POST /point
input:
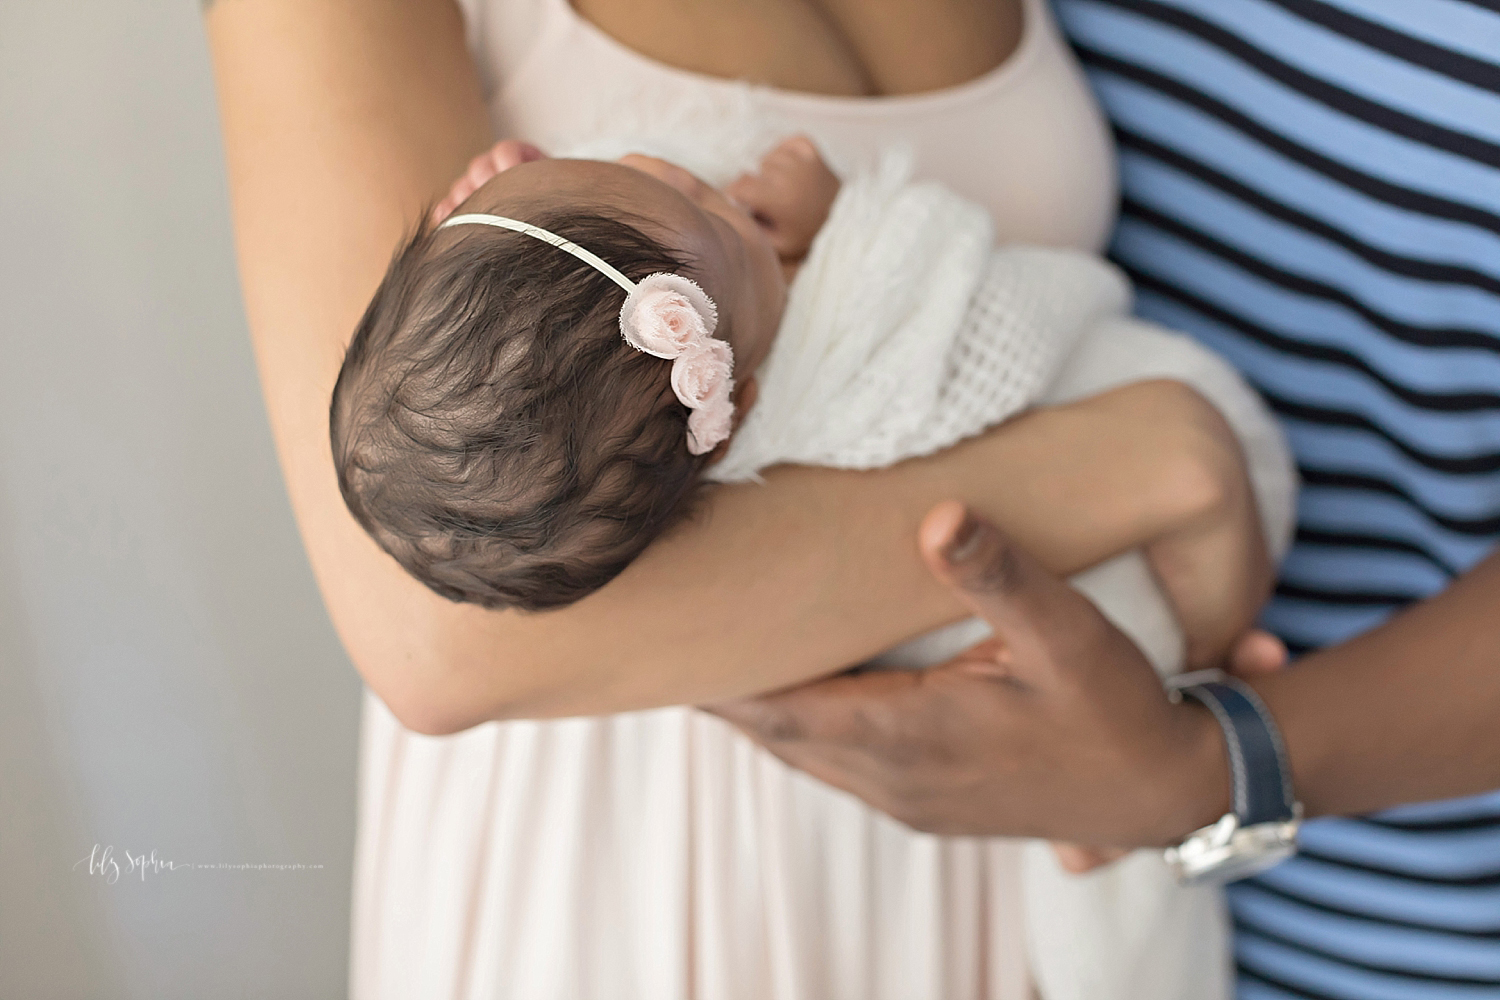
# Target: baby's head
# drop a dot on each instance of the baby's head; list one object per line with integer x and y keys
{"x": 491, "y": 427}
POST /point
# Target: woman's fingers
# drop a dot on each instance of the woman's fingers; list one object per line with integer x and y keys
{"x": 501, "y": 157}
{"x": 1076, "y": 859}
{"x": 1257, "y": 652}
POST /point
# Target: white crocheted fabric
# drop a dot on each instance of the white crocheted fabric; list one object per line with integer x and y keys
{"x": 905, "y": 331}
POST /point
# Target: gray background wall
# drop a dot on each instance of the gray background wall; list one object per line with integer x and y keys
{"x": 168, "y": 679}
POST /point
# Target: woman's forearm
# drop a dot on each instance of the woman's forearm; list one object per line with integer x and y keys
{"x": 1404, "y": 713}
{"x": 775, "y": 584}
{"x": 342, "y": 118}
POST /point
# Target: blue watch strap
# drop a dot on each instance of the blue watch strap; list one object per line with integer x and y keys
{"x": 1260, "y": 777}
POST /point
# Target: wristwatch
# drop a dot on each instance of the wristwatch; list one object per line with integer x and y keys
{"x": 1261, "y": 827}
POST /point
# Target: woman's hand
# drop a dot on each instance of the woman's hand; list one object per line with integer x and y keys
{"x": 1056, "y": 727}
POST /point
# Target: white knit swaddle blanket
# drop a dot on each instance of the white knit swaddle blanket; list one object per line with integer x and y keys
{"x": 905, "y": 332}
{"x": 885, "y": 352}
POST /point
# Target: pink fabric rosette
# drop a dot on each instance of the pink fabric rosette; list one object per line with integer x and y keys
{"x": 665, "y": 314}
{"x": 669, "y": 316}
{"x": 701, "y": 378}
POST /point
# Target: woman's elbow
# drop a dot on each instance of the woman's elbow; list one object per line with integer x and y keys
{"x": 433, "y": 697}
{"x": 440, "y": 668}
{"x": 429, "y": 717}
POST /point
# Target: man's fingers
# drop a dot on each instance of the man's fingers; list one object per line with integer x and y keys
{"x": 878, "y": 735}
{"x": 848, "y": 710}
{"x": 972, "y": 555}
{"x": 819, "y": 732}
{"x": 998, "y": 579}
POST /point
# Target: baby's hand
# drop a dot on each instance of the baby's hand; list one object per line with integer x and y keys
{"x": 789, "y": 195}
{"x": 496, "y": 160}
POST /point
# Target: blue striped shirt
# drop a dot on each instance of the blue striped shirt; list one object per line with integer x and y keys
{"x": 1312, "y": 188}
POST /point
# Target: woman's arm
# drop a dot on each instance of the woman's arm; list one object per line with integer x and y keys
{"x": 342, "y": 118}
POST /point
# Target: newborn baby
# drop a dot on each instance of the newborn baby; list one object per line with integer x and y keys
{"x": 497, "y": 435}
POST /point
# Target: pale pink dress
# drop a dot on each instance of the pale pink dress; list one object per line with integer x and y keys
{"x": 660, "y": 855}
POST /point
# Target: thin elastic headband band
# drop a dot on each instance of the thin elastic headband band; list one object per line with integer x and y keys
{"x": 667, "y": 316}
{"x": 514, "y": 225}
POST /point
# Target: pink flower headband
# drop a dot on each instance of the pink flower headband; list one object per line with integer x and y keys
{"x": 667, "y": 316}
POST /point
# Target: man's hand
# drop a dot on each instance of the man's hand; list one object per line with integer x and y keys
{"x": 1257, "y": 652}
{"x": 1057, "y": 727}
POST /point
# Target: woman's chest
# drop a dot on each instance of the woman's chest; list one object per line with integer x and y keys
{"x": 846, "y": 48}
{"x": 1024, "y": 139}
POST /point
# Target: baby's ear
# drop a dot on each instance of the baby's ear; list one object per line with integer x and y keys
{"x": 745, "y": 394}
{"x": 744, "y": 398}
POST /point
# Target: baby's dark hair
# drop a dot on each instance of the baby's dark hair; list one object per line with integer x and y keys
{"x": 491, "y": 428}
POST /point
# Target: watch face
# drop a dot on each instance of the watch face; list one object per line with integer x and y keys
{"x": 1226, "y": 851}
{"x": 1244, "y": 865}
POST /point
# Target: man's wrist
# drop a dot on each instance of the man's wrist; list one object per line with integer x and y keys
{"x": 1197, "y": 791}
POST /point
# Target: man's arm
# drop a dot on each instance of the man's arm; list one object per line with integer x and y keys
{"x": 342, "y": 120}
{"x": 1407, "y": 712}
{"x": 1058, "y": 728}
